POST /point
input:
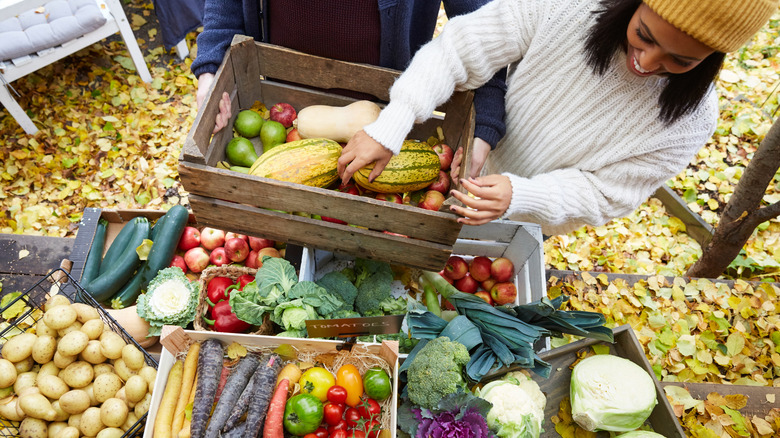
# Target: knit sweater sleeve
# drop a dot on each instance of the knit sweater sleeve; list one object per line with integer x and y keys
{"x": 221, "y": 21}
{"x": 566, "y": 199}
{"x": 469, "y": 51}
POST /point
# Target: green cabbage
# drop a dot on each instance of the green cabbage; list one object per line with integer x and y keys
{"x": 640, "y": 434}
{"x": 611, "y": 393}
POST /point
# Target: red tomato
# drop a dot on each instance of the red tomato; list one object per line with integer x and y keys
{"x": 372, "y": 428}
{"x": 341, "y": 425}
{"x": 352, "y": 416}
{"x": 321, "y": 432}
{"x": 333, "y": 413}
{"x": 341, "y": 433}
{"x": 337, "y": 394}
{"x": 310, "y": 435}
{"x": 356, "y": 433}
{"x": 369, "y": 409}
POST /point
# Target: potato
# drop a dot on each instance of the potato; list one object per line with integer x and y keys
{"x": 78, "y": 374}
{"x": 142, "y": 407}
{"x": 61, "y": 415}
{"x": 75, "y": 401}
{"x": 85, "y": 312}
{"x": 111, "y": 432}
{"x": 69, "y": 432}
{"x": 150, "y": 375}
{"x": 106, "y": 386}
{"x": 56, "y": 428}
{"x": 92, "y": 354}
{"x": 135, "y": 389}
{"x": 133, "y": 357}
{"x": 74, "y": 421}
{"x": 56, "y": 300}
{"x": 131, "y": 420}
{"x": 37, "y": 406}
{"x": 7, "y": 373}
{"x": 76, "y": 326}
{"x": 43, "y": 348}
{"x": 33, "y": 428}
{"x": 90, "y": 424}
{"x": 19, "y": 347}
{"x": 60, "y": 317}
{"x": 121, "y": 396}
{"x": 93, "y": 328}
{"x": 24, "y": 366}
{"x": 52, "y": 386}
{"x": 61, "y": 361}
{"x": 25, "y": 380}
{"x": 90, "y": 390}
{"x": 8, "y": 409}
{"x": 41, "y": 329}
{"x": 47, "y": 369}
{"x": 103, "y": 368}
{"x": 113, "y": 412}
{"x": 121, "y": 368}
{"x": 73, "y": 343}
{"x": 111, "y": 345}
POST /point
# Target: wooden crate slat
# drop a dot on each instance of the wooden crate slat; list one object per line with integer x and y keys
{"x": 324, "y": 235}
{"x": 246, "y": 66}
{"x": 439, "y": 227}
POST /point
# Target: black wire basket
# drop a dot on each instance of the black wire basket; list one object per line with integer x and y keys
{"x": 29, "y": 306}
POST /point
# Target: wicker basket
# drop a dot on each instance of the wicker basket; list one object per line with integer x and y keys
{"x": 232, "y": 272}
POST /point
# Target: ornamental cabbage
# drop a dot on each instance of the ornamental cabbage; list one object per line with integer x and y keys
{"x": 518, "y": 406}
{"x": 170, "y": 299}
{"x": 611, "y": 393}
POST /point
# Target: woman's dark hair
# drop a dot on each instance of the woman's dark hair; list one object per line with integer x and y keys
{"x": 682, "y": 93}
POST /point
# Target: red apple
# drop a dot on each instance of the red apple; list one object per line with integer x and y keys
{"x": 456, "y": 268}
{"x": 467, "y": 284}
{"x": 502, "y": 269}
{"x": 432, "y": 200}
{"x": 283, "y": 113}
{"x": 413, "y": 198}
{"x": 503, "y": 293}
{"x": 442, "y": 184}
{"x": 252, "y": 260}
{"x": 392, "y": 233}
{"x": 480, "y": 268}
{"x": 293, "y": 135}
{"x": 231, "y": 235}
{"x": 179, "y": 262}
{"x": 258, "y": 243}
{"x": 211, "y": 238}
{"x": 349, "y": 188}
{"x": 333, "y": 220}
{"x": 190, "y": 238}
{"x": 446, "y": 305}
{"x": 271, "y": 252}
{"x": 488, "y": 284}
{"x": 445, "y": 154}
{"x": 218, "y": 256}
{"x": 197, "y": 259}
{"x": 390, "y": 197}
{"x": 444, "y": 274}
{"x": 485, "y": 295}
{"x": 236, "y": 249}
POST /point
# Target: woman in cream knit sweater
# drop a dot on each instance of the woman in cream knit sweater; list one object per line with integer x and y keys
{"x": 606, "y": 100}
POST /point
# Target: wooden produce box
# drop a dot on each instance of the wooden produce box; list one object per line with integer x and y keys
{"x": 175, "y": 340}
{"x": 242, "y": 203}
{"x": 626, "y": 345}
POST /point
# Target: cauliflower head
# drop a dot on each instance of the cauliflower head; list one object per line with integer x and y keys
{"x": 518, "y": 406}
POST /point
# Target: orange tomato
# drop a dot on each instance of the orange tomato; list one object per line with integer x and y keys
{"x": 349, "y": 377}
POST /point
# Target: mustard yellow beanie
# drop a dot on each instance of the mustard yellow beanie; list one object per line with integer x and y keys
{"x": 720, "y": 24}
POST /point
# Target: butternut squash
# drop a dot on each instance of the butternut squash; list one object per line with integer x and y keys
{"x": 337, "y": 123}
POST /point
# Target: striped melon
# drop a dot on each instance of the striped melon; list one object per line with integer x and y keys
{"x": 414, "y": 168}
{"x": 311, "y": 162}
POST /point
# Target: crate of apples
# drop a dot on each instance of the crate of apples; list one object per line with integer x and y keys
{"x": 491, "y": 279}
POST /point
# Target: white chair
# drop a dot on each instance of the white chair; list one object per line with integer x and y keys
{"x": 116, "y": 21}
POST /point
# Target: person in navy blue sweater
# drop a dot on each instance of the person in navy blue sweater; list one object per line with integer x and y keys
{"x": 386, "y": 33}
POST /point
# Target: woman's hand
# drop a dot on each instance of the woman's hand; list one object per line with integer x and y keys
{"x": 223, "y": 117}
{"x": 493, "y": 192}
{"x": 360, "y": 151}
{"x": 480, "y": 151}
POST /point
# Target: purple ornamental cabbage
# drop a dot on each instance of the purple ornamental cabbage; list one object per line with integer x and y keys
{"x": 451, "y": 424}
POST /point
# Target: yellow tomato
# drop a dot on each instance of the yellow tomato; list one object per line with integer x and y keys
{"x": 348, "y": 376}
{"x": 316, "y": 381}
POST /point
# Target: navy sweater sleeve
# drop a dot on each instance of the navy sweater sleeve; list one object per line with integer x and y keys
{"x": 222, "y": 19}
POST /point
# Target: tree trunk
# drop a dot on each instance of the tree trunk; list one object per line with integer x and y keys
{"x": 743, "y": 213}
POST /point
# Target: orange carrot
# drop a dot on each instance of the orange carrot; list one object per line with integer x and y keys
{"x": 274, "y": 427}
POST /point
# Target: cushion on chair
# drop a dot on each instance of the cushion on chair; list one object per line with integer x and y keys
{"x": 60, "y": 22}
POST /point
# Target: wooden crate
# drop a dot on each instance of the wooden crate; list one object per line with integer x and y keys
{"x": 246, "y": 204}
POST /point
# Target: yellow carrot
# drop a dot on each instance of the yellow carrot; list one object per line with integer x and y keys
{"x": 164, "y": 419}
{"x": 185, "y": 428}
{"x": 190, "y": 366}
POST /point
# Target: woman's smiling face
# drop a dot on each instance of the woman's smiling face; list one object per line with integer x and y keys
{"x": 655, "y": 47}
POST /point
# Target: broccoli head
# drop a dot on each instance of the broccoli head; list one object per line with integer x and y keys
{"x": 373, "y": 290}
{"x": 339, "y": 284}
{"x": 436, "y": 371}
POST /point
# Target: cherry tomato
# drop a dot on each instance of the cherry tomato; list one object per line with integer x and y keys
{"x": 356, "y": 433}
{"x": 341, "y": 425}
{"x": 333, "y": 413}
{"x": 352, "y": 416}
{"x": 321, "y": 432}
{"x": 310, "y": 435}
{"x": 348, "y": 376}
{"x": 337, "y": 394}
{"x": 341, "y": 433}
{"x": 369, "y": 409}
{"x": 372, "y": 428}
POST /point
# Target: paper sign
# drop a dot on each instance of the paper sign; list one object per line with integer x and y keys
{"x": 373, "y": 325}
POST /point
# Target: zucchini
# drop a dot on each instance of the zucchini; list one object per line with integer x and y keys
{"x": 160, "y": 256}
{"x": 158, "y": 225}
{"x": 92, "y": 264}
{"x": 106, "y": 284}
{"x": 117, "y": 246}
